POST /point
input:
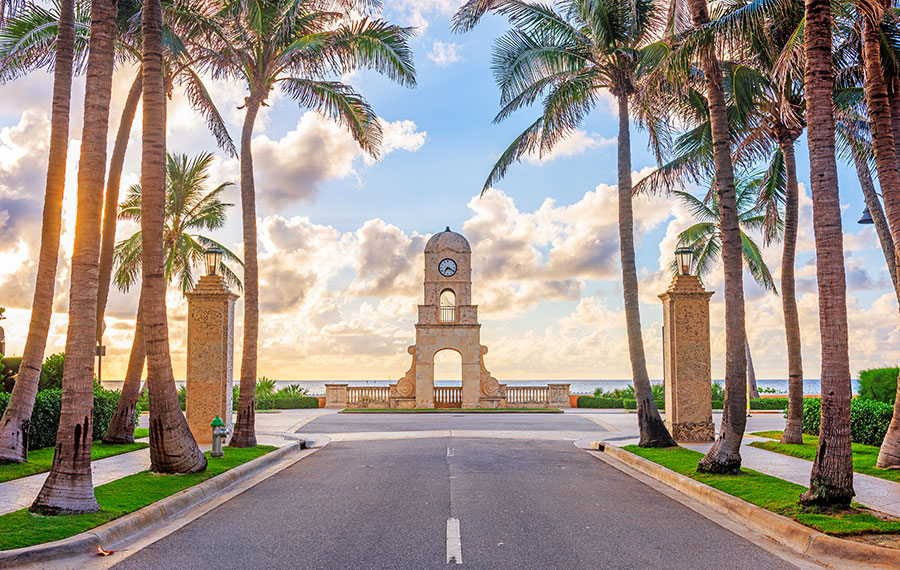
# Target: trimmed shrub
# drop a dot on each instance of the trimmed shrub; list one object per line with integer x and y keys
{"x": 287, "y": 403}
{"x": 869, "y": 419}
{"x": 718, "y": 404}
{"x": 595, "y": 402}
{"x": 879, "y": 384}
{"x": 629, "y": 403}
{"x": 768, "y": 403}
{"x": 52, "y": 372}
{"x": 718, "y": 392}
{"x": 45, "y": 417}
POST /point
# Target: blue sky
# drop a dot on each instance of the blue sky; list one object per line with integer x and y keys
{"x": 341, "y": 236}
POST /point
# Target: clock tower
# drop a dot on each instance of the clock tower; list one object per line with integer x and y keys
{"x": 447, "y": 321}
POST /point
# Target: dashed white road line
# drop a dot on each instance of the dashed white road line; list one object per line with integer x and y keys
{"x": 454, "y": 544}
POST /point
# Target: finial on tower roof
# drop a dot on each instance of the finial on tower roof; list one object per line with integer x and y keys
{"x": 448, "y": 229}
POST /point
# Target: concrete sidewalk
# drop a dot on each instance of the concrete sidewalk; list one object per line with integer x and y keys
{"x": 271, "y": 430}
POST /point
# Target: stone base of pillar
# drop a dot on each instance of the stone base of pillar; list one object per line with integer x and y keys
{"x": 701, "y": 432}
{"x": 403, "y": 403}
{"x": 492, "y": 403}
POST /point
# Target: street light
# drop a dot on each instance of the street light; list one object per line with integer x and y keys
{"x": 212, "y": 257}
{"x": 684, "y": 257}
{"x": 866, "y": 217}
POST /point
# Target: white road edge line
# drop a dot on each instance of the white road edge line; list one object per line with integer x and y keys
{"x": 454, "y": 545}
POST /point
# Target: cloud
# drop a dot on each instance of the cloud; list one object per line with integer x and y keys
{"x": 577, "y": 143}
{"x": 444, "y": 54}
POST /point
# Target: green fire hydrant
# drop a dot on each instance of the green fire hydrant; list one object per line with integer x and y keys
{"x": 219, "y": 433}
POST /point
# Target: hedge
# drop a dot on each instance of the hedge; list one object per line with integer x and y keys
{"x": 879, "y": 384}
{"x": 45, "y": 417}
{"x": 286, "y": 403}
{"x": 632, "y": 404}
{"x": 8, "y": 371}
{"x": 594, "y": 402}
{"x": 769, "y": 404}
{"x": 718, "y": 404}
{"x": 869, "y": 419}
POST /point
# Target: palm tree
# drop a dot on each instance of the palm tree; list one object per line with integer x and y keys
{"x": 296, "y": 44}
{"x": 572, "y": 51}
{"x": 172, "y": 447}
{"x": 68, "y": 488}
{"x": 831, "y": 479}
{"x": 17, "y": 416}
{"x": 190, "y": 206}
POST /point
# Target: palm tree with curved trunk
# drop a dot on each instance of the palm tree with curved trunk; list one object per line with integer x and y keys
{"x": 296, "y": 45}
{"x": 29, "y": 40}
{"x": 571, "y": 52}
{"x": 16, "y": 419}
{"x": 190, "y": 207}
{"x": 68, "y": 488}
{"x": 172, "y": 447}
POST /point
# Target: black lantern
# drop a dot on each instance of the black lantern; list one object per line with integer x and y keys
{"x": 684, "y": 257}
{"x": 866, "y": 217}
{"x": 212, "y": 257}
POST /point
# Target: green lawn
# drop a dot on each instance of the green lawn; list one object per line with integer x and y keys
{"x": 40, "y": 460}
{"x": 864, "y": 456}
{"x": 141, "y": 433}
{"x": 771, "y": 493}
{"x": 118, "y": 498}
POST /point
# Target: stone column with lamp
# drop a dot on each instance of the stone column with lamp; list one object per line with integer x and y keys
{"x": 686, "y": 354}
{"x": 210, "y": 350}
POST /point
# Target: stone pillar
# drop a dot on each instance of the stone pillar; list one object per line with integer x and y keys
{"x": 558, "y": 395}
{"x": 335, "y": 395}
{"x": 686, "y": 356}
{"x": 210, "y": 356}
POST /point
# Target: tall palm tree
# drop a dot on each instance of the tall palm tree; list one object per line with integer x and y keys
{"x": 296, "y": 45}
{"x": 68, "y": 488}
{"x": 172, "y": 447}
{"x": 190, "y": 207}
{"x": 831, "y": 478}
{"x": 16, "y": 419}
{"x": 725, "y": 455}
{"x": 571, "y": 51}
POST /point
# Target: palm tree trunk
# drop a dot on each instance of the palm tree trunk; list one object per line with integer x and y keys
{"x": 894, "y": 97}
{"x": 725, "y": 454}
{"x": 121, "y": 426}
{"x": 653, "y": 431}
{"x": 245, "y": 426}
{"x": 752, "y": 389}
{"x": 831, "y": 479}
{"x": 16, "y": 420}
{"x": 889, "y": 177}
{"x": 172, "y": 447}
{"x": 68, "y": 488}
{"x": 111, "y": 205}
{"x": 877, "y": 213}
{"x": 793, "y": 427}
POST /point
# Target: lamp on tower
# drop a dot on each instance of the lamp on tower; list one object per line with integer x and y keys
{"x": 684, "y": 257}
{"x": 212, "y": 257}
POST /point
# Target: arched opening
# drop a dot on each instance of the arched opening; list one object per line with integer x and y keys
{"x": 447, "y": 379}
{"x": 448, "y": 306}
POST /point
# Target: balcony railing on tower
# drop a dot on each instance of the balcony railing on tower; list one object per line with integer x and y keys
{"x": 448, "y": 314}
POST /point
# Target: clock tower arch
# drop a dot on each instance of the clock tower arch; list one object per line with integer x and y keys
{"x": 447, "y": 320}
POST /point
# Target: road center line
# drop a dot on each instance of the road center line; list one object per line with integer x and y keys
{"x": 454, "y": 545}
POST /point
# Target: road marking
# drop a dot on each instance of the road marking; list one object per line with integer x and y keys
{"x": 598, "y": 421}
{"x": 454, "y": 545}
{"x": 450, "y": 452}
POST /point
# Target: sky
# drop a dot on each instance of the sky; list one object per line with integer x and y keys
{"x": 341, "y": 235}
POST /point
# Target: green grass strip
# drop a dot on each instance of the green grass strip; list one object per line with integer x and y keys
{"x": 864, "y": 456}
{"x": 117, "y": 498}
{"x": 771, "y": 493}
{"x": 141, "y": 433}
{"x": 40, "y": 460}
{"x": 447, "y": 410}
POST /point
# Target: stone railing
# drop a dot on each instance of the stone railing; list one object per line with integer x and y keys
{"x": 549, "y": 396}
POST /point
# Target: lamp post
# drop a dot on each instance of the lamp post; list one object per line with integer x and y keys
{"x": 212, "y": 257}
{"x": 686, "y": 354}
{"x": 866, "y": 217}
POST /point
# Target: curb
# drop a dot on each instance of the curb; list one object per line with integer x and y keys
{"x": 137, "y": 522}
{"x": 450, "y": 411}
{"x": 797, "y": 537}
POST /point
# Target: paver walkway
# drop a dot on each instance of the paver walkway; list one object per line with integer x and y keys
{"x": 20, "y": 493}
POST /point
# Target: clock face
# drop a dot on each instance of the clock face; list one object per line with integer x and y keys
{"x": 447, "y": 267}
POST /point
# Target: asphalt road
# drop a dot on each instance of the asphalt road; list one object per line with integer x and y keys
{"x": 385, "y": 504}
